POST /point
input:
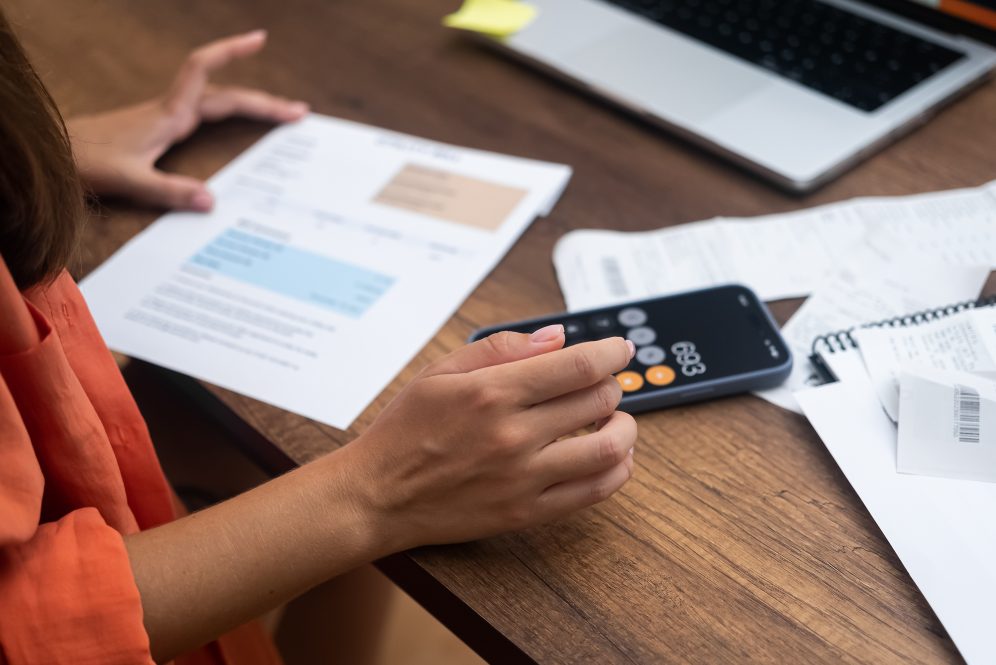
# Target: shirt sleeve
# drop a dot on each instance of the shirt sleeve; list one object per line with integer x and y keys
{"x": 68, "y": 595}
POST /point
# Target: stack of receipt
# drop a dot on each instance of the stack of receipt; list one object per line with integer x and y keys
{"x": 779, "y": 256}
{"x": 937, "y": 380}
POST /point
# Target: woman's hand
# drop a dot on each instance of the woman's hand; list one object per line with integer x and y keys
{"x": 116, "y": 151}
{"x": 473, "y": 446}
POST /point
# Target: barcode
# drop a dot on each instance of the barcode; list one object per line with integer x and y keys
{"x": 613, "y": 276}
{"x": 967, "y": 414}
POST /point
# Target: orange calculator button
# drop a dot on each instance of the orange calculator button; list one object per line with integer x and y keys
{"x": 660, "y": 375}
{"x": 630, "y": 381}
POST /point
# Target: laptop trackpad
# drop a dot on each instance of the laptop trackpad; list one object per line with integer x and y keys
{"x": 664, "y": 73}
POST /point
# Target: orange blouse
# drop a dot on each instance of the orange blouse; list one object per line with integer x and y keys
{"x": 77, "y": 472}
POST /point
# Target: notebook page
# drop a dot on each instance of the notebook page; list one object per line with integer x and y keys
{"x": 963, "y": 342}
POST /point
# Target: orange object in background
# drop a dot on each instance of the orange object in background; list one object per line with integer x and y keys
{"x": 970, "y": 11}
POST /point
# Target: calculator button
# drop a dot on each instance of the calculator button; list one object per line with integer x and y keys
{"x": 601, "y": 323}
{"x": 641, "y": 336}
{"x": 660, "y": 375}
{"x": 629, "y": 381}
{"x": 573, "y": 329}
{"x": 650, "y": 355}
{"x": 632, "y": 316}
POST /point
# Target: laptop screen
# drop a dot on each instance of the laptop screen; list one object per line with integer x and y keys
{"x": 980, "y": 12}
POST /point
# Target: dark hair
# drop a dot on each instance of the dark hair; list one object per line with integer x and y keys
{"x": 42, "y": 207}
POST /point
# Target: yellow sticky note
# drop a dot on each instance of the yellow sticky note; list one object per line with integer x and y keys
{"x": 498, "y": 18}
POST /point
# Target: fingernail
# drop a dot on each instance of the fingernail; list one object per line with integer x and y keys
{"x": 299, "y": 108}
{"x": 547, "y": 334}
{"x": 257, "y": 34}
{"x": 631, "y": 451}
{"x": 202, "y": 201}
{"x": 632, "y": 348}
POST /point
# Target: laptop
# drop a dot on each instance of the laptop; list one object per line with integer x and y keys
{"x": 795, "y": 90}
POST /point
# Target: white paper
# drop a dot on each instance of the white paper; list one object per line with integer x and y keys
{"x": 947, "y": 424}
{"x": 939, "y": 528}
{"x": 778, "y": 256}
{"x": 302, "y": 290}
{"x": 863, "y": 292}
{"x": 956, "y": 227}
{"x": 597, "y": 268}
{"x": 963, "y": 342}
{"x": 845, "y": 365}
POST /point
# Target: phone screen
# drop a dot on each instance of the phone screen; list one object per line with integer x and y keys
{"x": 696, "y": 337}
{"x": 684, "y": 339}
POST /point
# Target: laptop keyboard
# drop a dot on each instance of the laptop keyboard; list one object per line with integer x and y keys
{"x": 846, "y": 56}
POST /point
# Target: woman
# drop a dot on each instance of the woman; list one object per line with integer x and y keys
{"x": 95, "y": 564}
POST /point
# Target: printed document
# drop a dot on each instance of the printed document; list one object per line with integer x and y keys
{"x": 334, "y": 253}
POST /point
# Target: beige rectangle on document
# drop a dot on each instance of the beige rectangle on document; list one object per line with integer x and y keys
{"x": 450, "y": 196}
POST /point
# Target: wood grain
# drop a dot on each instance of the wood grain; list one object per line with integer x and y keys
{"x": 738, "y": 538}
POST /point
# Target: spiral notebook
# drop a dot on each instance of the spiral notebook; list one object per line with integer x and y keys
{"x": 827, "y": 348}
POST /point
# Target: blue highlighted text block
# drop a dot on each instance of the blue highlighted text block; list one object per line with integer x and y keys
{"x": 336, "y": 285}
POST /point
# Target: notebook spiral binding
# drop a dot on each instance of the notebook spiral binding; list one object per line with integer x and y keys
{"x": 842, "y": 340}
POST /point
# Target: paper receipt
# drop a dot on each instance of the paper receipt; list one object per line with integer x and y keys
{"x": 964, "y": 342}
{"x": 947, "y": 424}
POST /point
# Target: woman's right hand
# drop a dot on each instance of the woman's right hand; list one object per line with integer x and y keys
{"x": 474, "y": 445}
{"x": 471, "y": 448}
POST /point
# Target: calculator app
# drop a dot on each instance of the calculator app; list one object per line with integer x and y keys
{"x": 684, "y": 339}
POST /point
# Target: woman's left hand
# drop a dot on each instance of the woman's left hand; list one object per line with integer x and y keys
{"x": 116, "y": 151}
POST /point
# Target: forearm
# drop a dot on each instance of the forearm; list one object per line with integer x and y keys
{"x": 211, "y": 571}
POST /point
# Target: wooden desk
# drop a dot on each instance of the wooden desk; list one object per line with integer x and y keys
{"x": 738, "y": 538}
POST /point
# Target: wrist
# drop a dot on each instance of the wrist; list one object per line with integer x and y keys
{"x": 352, "y": 507}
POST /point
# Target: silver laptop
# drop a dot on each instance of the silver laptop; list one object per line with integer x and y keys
{"x": 796, "y": 90}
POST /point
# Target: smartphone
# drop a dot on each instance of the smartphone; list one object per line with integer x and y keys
{"x": 689, "y": 346}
